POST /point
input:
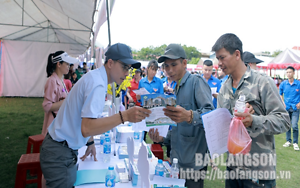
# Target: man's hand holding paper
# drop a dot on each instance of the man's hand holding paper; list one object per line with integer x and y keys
{"x": 137, "y": 114}
{"x": 177, "y": 114}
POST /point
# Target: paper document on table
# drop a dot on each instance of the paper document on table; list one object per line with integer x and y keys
{"x": 167, "y": 182}
{"x": 91, "y": 176}
{"x": 141, "y": 91}
{"x": 216, "y": 124}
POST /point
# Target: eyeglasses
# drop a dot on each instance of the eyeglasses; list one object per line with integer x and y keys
{"x": 125, "y": 67}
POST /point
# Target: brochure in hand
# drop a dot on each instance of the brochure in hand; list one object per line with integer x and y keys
{"x": 156, "y": 103}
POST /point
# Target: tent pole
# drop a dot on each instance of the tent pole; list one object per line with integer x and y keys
{"x": 109, "y": 44}
{"x": 23, "y": 13}
{"x": 108, "y": 23}
{"x": 113, "y": 84}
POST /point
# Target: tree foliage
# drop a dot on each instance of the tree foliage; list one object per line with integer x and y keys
{"x": 148, "y": 53}
{"x": 276, "y": 53}
{"x": 194, "y": 61}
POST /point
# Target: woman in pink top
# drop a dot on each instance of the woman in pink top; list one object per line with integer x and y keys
{"x": 55, "y": 89}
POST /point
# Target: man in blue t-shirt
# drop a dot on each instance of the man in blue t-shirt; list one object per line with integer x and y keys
{"x": 214, "y": 83}
{"x": 291, "y": 90}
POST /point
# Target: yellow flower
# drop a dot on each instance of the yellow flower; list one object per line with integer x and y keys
{"x": 124, "y": 85}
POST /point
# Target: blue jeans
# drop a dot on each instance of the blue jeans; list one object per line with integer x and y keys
{"x": 294, "y": 116}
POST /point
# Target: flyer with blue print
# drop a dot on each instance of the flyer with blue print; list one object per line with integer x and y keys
{"x": 156, "y": 103}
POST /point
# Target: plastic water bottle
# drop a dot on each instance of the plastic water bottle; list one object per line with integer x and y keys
{"x": 102, "y": 139}
{"x": 240, "y": 104}
{"x": 106, "y": 149}
{"x": 110, "y": 177}
{"x": 159, "y": 169}
{"x": 175, "y": 169}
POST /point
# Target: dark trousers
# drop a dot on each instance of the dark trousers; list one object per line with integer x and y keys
{"x": 199, "y": 184}
{"x": 58, "y": 163}
{"x": 247, "y": 183}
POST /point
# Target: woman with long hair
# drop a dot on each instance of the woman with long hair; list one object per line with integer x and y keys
{"x": 55, "y": 89}
{"x": 151, "y": 83}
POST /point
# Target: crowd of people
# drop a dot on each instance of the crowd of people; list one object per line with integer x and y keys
{"x": 72, "y": 119}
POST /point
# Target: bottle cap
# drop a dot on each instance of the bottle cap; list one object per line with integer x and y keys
{"x": 111, "y": 168}
{"x": 242, "y": 97}
{"x": 175, "y": 160}
{"x": 160, "y": 161}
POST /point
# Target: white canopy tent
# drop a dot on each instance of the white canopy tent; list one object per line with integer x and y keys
{"x": 277, "y": 65}
{"x": 288, "y": 56}
{"x": 31, "y": 30}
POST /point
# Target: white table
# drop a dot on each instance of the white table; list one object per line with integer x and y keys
{"x": 90, "y": 164}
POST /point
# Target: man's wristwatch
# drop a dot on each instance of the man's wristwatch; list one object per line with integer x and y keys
{"x": 90, "y": 143}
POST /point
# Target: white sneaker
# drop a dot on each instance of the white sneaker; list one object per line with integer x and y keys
{"x": 296, "y": 148}
{"x": 287, "y": 144}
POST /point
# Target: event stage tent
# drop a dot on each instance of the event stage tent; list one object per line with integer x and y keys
{"x": 31, "y": 30}
{"x": 283, "y": 60}
{"x": 288, "y": 56}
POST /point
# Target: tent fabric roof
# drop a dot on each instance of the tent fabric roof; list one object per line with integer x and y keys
{"x": 288, "y": 56}
{"x": 53, "y": 21}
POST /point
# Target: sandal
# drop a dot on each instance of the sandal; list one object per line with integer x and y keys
{"x": 214, "y": 166}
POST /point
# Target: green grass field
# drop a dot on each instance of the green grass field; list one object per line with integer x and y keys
{"x": 22, "y": 117}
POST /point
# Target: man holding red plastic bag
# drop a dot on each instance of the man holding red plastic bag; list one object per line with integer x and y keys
{"x": 239, "y": 141}
{"x": 268, "y": 119}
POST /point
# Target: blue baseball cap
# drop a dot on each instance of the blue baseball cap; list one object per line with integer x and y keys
{"x": 123, "y": 53}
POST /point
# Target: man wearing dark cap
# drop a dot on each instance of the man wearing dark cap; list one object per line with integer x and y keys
{"x": 79, "y": 118}
{"x": 193, "y": 97}
{"x": 251, "y": 60}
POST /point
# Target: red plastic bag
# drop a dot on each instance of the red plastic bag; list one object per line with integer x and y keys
{"x": 239, "y": 141}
